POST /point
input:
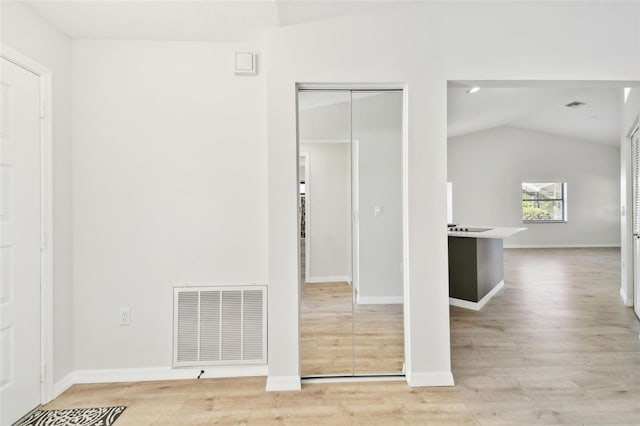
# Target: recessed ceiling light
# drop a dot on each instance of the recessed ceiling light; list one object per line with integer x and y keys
{"x": 627, "y": 91}
{"x": 473, "y": 90}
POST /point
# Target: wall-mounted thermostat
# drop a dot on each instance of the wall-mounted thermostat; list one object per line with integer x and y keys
{"x": 245, "y": 63}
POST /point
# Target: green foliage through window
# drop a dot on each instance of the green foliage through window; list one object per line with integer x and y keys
{"x": 543, "y": 202}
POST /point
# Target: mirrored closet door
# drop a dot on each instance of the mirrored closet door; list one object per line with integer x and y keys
{"x": 350, "y": 216}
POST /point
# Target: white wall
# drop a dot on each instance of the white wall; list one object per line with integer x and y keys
{"x": 26, "y": 33}
{"x": 630, "y": 117}
{"x": 421, "y": 47}
{"x": 377, "y": 126}
{"x": 488, "y": 167}
{"x": 329, "y": 205}
{"x": 164, "y": 134}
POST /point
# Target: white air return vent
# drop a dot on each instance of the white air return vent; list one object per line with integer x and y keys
{"x": 219, "y": 325}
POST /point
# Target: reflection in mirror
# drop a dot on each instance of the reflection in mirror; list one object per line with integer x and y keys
{"x": 326, "y": 301}
{"x": 377, "y": 248}
{"x": 350, "y": 215}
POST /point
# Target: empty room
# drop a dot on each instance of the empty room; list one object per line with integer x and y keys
{"x": 319, "y": 212}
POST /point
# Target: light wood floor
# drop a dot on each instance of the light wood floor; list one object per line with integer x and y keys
{"x": 555, "y": 346}
{"x": 336, "y": 340}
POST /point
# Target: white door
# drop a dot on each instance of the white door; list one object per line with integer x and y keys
{"x": 635, "y": 169}
{"x": 19, "y": 242}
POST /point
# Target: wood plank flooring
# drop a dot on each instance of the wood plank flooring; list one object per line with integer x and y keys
{"x": 555, "y": 346}
{"x": 336, "y": 340}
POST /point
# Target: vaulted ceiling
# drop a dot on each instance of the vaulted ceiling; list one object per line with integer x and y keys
{"x": 596, "y": 119}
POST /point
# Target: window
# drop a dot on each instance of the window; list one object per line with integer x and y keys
{"x": 544, "y": 202}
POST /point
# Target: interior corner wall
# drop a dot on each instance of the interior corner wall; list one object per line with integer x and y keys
{"x": 630, "y": 118}
{"x": 488, "y": 167}
{"x": 422, "y": 46}
{"x": 169, "y": 173}
{"x": 36, "y": 39}
{"x": 329, "y": 230}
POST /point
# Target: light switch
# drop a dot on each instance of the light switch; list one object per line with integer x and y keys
{"x": 378, "y": 211}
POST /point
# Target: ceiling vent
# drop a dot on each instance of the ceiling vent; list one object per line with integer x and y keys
{"x": 575, "y": 104}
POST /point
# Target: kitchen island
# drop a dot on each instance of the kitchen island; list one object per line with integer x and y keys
{"x": 476, "y": 264}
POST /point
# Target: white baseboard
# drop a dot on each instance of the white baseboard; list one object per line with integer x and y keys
{"x": 476, "y": 306}
{"x": 626, "y": 300}
{"x": 283, "y": 383}
{"x": 385, "y": 300}
{"x": 355, "y": 379}
{"x": 63, "y": 384}
{"x": 527, "y": 246}
{"x": 328, "y": 279}
{"x": 436, "y": 378}
{"x": 165, "y": 373}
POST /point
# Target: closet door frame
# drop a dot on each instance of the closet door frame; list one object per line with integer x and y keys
{"x": 405, "y": 206}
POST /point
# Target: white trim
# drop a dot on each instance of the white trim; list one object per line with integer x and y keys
{"x": 23, "y": 61}
{"x": 632, "y": 285}
{"x": 436, "y": 378}
{"x": 283, "y": 383}
{"x": 626, "y": 300}
{"x": 328, "y": 279}
{"x": 354, "y": 215}
{"x": 63, "y": 384}
{"x": 326, "y": 141}
{"x": 355, "y": 379}
{"x": 206, "y": 284}
{"x": 406, "y": 277}
{"x": 549, "y": 84}
{"x": 152, "y": 374}
{"x": 46, "y": 220}
{"x": 165, "y": 373}
{"x": 596, "y": 245}
{"x": 380, "y": 300}
{"x": 351, "y": 86}
{"x": 476, "y": 306}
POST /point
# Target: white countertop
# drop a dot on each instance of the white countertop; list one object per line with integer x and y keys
{"x": 494, "y": 232}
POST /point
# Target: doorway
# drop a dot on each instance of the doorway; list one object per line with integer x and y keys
{"x": 26, "y": 204}
{"x": 20, "y": 242}
{"x": 351, "y": 280}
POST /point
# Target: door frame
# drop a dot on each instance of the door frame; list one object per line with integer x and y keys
{"x": 404, "y": 88}
{"x": 355, "y": 218}
{"x": 46, "y": 215}
{"x": 634, "y": 298}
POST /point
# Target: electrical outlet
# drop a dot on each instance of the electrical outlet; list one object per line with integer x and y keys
{"x": 125, "y": 316}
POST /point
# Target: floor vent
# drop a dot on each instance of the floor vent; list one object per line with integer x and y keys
{"x": 219, "y": 326}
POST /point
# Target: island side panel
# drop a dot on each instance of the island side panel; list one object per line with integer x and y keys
{"x": 490, "y": 264}
{"x": 463, "y": 268}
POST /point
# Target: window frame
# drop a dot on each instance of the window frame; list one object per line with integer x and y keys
{"x": 562, "y": 200}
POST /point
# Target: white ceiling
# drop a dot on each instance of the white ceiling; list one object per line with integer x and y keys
{"x": 197, "y": 20}
{"x": 538, "y": 109}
